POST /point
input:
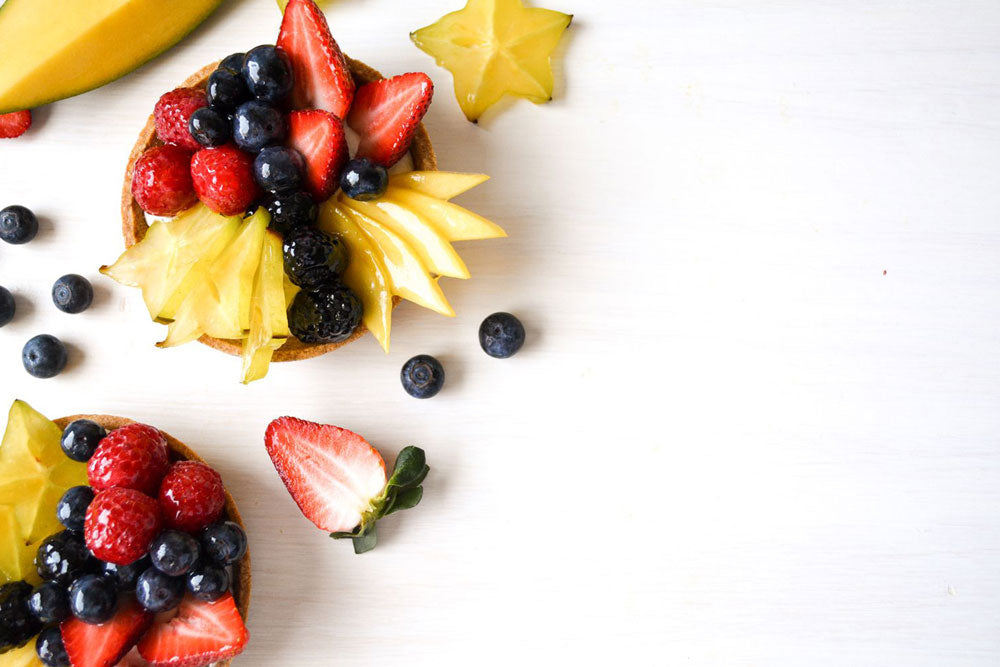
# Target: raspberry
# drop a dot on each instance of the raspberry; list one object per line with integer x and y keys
{"x": 121, "y": 524}
{"x": 133, "y": 456}
{"x": 14, "y": 124}
{"x": 161, "y": 180}
{"x": 223, "y": 179}
{"x": 191, "y": 496}
{"x": 172, "y": 113}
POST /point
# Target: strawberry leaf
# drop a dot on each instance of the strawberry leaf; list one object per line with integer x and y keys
{"x": 410, "y": 469}
{"x": 366, "y": 542}
{"x": 407, "y": 499}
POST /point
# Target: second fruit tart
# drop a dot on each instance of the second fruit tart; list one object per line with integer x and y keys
{"x": 330, "y": 241}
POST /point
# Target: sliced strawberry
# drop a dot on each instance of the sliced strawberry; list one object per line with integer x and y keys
{"x": 133, "y": 659}
{"x": 319, "y": 137}
{"x": 322, "y": 77}
{"x": 201, "y": 633}
{"x": 104, "y": 645}
{"x": 14, "y": 124}
{"x": 386, "y": 114}
{"x": 332, "y": 473}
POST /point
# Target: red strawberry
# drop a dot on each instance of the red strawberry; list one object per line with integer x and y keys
{"x": 386, "y": 114}
{"x": 133, "y": 456}
{"x": 223, "y": 179}
{"x": 161, "y": 180}
{"x": 332, "y": 473}
{"x": 319, "y": 137}
{"x": 104, "y": 645}
{"x": 14, "y": 124}
{"x": 133, "y": 659}
{"x": 191, "y": 496}
{"x": 322, "y": 77}
{"x": 121, "y": 524}
{"x": 201, "y": 633}
{"x": 172, "y": 113}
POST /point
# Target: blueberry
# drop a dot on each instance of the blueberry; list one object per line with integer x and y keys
{"x": 208, "y": 582}
{"x": 292, "y": 210}
{"x": 422, "y": 376}
{"x": 313, "y": 258}
{"x": 501, "y": 335}
{"x": 158, "y": 592}
{"x": 17, "y": 623}
{"x": 62, "y": 558}
{"x": 174, "y": 552}
{"x": 278, "y": 169}
{"x": 326, "y": 314}
{"x": 224, "y": 543}
{"x": 7, "y": 306}
{"x": 226, "y": 90}
{"x": 72, "y": 294}
{"x": 49, "y": 602}
{"x": 81, "y": 438}
{"x": 93, "y": 599}
{"x": 50, "y": 649}
{"x": 44, "y": 356}
{"x": 209, "y": 127}
{"x": 256, "y": 125}
{"x": 364, "y": 180}
{"x": 233, "y": 63}
{"x": 268, "y": 73}
{"x": 124, "y": 577}
{"x": 17, "y": 225}
{"x": 71, "y": 510}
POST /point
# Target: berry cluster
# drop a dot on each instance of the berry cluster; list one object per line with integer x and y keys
{"x": 146, "y": 536}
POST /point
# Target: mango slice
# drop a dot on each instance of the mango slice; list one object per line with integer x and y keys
{"x": 453, "y": 222}
{"x": 268, "y": 317}
{"x": 438, "y": 184}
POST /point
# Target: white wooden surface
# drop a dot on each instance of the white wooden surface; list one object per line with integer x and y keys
{"x": 755, "y": 244}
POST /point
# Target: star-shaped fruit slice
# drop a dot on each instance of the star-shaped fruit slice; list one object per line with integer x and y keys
{"x": 494, "y": 48}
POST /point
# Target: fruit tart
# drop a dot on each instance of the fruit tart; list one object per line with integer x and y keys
{"x": 281, "y": 202}
{"x": 118, "y": 546}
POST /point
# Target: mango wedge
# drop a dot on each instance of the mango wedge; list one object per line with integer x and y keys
{"x": 453, "y": 222}
{"x": 53, "y": 49}
{"x": 438, "y": 184}
{"x": 268, "y": 318}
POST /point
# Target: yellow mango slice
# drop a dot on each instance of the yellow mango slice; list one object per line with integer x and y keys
{"x": 438, "y": 184}
{"x": 453, "y": 222}
{"x": 268, "y": 318}
{"x": 26, "y": 656}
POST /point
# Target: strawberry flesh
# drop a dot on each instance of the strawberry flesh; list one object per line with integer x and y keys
{"x": 332, "y": 474}
{"x": 199, "y": 634}
{"x": 322, "y": 76}
{"x": 319, "y": 137}
{"x": 104, "y": 645}
{"x": 386, "y": 114}
{"x": 14, "y": 124}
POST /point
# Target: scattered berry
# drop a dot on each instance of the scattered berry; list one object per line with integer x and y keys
{"x": 17, "y": 624}
{"x": 121, "y": 524}
{"x": 174, "y": 552}
{"x": 18, "y": 225}
{"x": 7, "y": 306}
{"x": 501, "y": 335}
{"x": 319, "y": 137}
{"x": 124, "y": 577}
{"x": 364, "y": 180}
{"x": 104, "y": 645}
{"x": 161, "y": 180}
{"x": 93, "y": 599}
{"x": 62, "y": 558}
{"x": 327, "y": 314}
{"x": 322, "y": 77}
{"x": 278, "y": 169}
{"x": 133, "y": 456}
{"x": 291, "y": 210}
{"x": 44, "y": 356}
{"x": 50, "y": 649}
{"x": 224, "y": 543}
{"x": 208, "y": 582}
{"x": 422, "y": 376}
{"x": 14, "y": 124}
{"x": 72, "y": 294}
{"x": 173, "y": 111}
{"x": 256, "y": 124}
{"x": 81, "y": 438}
{"x": 192, "y": 496}
{"x": 223, "y": 179}
{"x": 201, "y": 633}
{"x": 71, "y": 510}
{"x": 386, "y": 114}
{"x": 313, "y": 258}
{"x": 210, "y": 128}
{"x": 268, "y": 73}
{"x": 233, "y": 63}
{"x": 158, "y": 592}
{"x": 226, "y": 90}
{"x": 49, "y": 602}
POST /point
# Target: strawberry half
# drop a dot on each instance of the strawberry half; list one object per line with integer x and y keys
{"x": 319, "y": 137}
{"x": 322, "y": 77}
{"x": 201, "y": 633}
{"x": 14, "y": 124}
{"x": 338, "y": 480}
{"x": 104, "y": 645}
{"x": 386, "y": 114}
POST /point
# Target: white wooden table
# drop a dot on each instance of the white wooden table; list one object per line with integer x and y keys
{"x": 755, "y": 244}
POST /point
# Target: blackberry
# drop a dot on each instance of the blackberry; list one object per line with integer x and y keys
{"x": 17, "y": 623}
{"x": 291, "y": 210}
{"x": 328, "y": 314}
{"x": 313, "y": 258}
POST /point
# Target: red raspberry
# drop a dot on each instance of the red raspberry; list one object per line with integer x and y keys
{"x": 172, "y": 113}
{"x": 133, "y": 456}
{"x": 121, "y": 524}
{"x": 14, "y": 124}
{"x": 161, "y": 180}
{"x": 191, "y": 496}
{"x": 223, "y": 179}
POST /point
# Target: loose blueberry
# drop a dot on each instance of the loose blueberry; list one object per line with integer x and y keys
{"x": 49, "y": 602}
{"x": 71, "y": 510}
{"x": 364, "y": 180}
{"x": 50, "y": 649}
{"x": 208, "y": 582}
{"x": 44, "y": 356}
{"x": 72, "y": 294}
{"x": 268, "y": 73}
{"x": 256, "y": 125}
{"x": 291, "y": 210}
{"x": 93, "y": 599}
{"x": 278, "y": 169}
{"x": 17, "y": 623}
{"x": 422, "y": 376}
{"x": 81, "y": 438}
{"x": 326, "y": 314}
{"x": 17, "y": 225}
{"x": 62, "y": 558}
{"x": 174, "y": 552}
{"x": 226, "y": 90}
{"x": 124, "y": 577}
{"x": 209, "y": 127}
{"x": 501, "y": 335}
{"x": 233, "y": 63}
{"x": 225, "y": 543}
{"x": 313, "y": 258}
{"x": 7, "y": 306}
{"x": 158, "y": 592}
